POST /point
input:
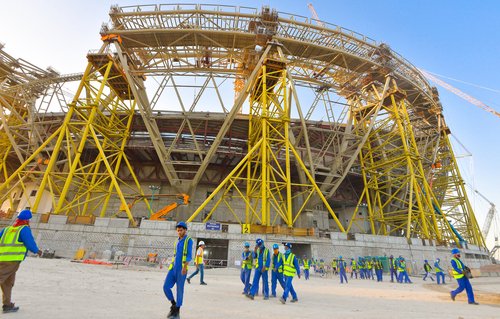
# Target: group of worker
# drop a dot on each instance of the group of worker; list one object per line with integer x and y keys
{"x": 283, "y": 268}
{"x": 17, "y": 240}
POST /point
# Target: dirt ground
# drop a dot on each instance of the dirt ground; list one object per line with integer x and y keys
{"x": 57, "y": 288}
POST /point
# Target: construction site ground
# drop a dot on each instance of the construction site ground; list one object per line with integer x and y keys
{"x": 59, "y": 288}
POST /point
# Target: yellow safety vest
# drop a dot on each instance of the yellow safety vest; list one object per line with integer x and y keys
{"x": 354, "y": 265}
{"x": 11, "y": 249}
{"x": 247, "y": 263}
{"x": 199, "y": 257}
{"x": 289, "y": 266}
{"x": 184, "y": 252}
{"x": 369, "y": 265}
{"x": 264, "y": 258}
{"x": 306, "y": 264}
{"x": 402, "y": 266}
{"x": 438, "y": 268}
{"x": 280, "y": 257}
{"x": 456, "y": 275}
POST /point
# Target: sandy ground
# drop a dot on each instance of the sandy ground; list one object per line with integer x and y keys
{"x": 54, "y": 288}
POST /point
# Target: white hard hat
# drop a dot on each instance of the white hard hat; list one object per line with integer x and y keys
{"x": 201, "y": 243}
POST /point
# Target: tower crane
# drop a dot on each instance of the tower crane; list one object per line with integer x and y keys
{"x": 490, "y": 219}
{"x": 459, "y": 93}
{"x": 315, "y": 15}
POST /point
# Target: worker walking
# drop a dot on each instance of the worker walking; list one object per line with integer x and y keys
{"x": 276, "y": 272}
{"x": 334, "y": 266}
{"x": 361, "y": 266}
{"x": 427, "y": 269}
{"x": 342, "y": 265}
{"x": 291, "y": 267}
{"x": 392, "y": 268}
{"x": 307, "y": 265}
{"x": 439, "y": 271}
{"x": 15, "y": 241}
{"x": 403, "y": 275}
{"x": 262, "y": 260}
{"x": 369, "y": 267}
{"x": 246, "y": 268}
{"x": 199, "y": 263}
{"x": 354, "y": 268}
{"x": 177, "y": 270}
{"x": 379, "y": 269}
{"x": 461, "y": 273}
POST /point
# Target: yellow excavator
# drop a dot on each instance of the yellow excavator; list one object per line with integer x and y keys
{"x": 180, "y": 199}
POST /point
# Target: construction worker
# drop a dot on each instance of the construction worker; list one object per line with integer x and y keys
{"x": 439, "y": 271}
{"x": 379, "y": 269}
{"x": 342, "y": 265}
{"x": 459, "y": 273}
{"x": 177, "y": 270}
{"x": 369, "y": 269}
{"x": 403, "y": 275}
{"x": 427, "y": 269}
{"x": 200, "y": 265}
{"x": 392, "y": 268}
{"x": 354, "y": 268}
{"x": 262, "y": 259}
{"x": 334, "y": 266}
{"x": 361, "y": 265}
{"x": 322, "y": 267}
{"x": 246, "y": 267}
{"x": 291, "y": 267}
{"x": 15, "y": 241}
{"x": 307, "y": 265}
{"x": 276, "y": 272}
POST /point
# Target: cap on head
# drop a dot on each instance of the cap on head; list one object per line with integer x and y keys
{"x": 201, "y": 243}
{"x": 25, "y": 214}
{"x": 276, "y": 246}
{"x": 259, "y": 242}
{"x": 181, "y": 224}
{"x": 340, "y": 257}
{"x": 289, "y": 245}
{"x": 391, "y": 256}
{"x": 247, "y": 244}
{"x": 438, "y": 259}
{"x": 425, "y": 261}
{"x": 455, "y": 251}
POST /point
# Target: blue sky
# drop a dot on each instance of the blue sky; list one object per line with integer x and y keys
{"x": 458, "y": 39}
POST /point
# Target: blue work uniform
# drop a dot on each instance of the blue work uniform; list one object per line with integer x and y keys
{"x": 463, "y": 282}
{"x": 174, "y": 275}
{"x": 289, "y": 276}
{"x": 392, "y": 268}
{"x": 342, "y": 268}
{"x": 439, "y": 273}
{"x": 246, "y": 270}
{"x": 263, "y": 258}
{"x": 276, "y": 273}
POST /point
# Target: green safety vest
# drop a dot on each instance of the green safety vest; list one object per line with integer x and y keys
{"x": 264, "y": 258}
{"x": 456, "y": 275}
{"x": 402, "y": 266}
{"x": 247, "y": 263}
{"x": 306, "y": 264}
{"x": 280, "y": 257}
{"x": 184, "y": 252}
{"x": 11, "y": 249}
{"x": 354, "y": 265}
{"x": 438, "y": 268}
{"x": 289, "y": 266}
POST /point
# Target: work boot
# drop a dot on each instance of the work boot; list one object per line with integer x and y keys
{"x": 176, "y": 314}
{"x": 283, "y": 301}
{"x": 9, "y": 308}
{"x": 188, "y": 280}
{"x": 266, "y": 298}
{"x": 172, "y": 310}
{"x": 294, "y": 300}
{"x": 249, "y": 296}
{"x": 203, "y": 283}
{"x": 473, "y": 303}
{"x": 452, "y": 296}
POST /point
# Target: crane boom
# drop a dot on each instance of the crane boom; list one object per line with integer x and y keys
{"x": 315, "y": 15}
{"x": 459, "y": 93}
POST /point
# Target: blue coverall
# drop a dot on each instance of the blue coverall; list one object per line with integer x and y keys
{"x": 463, "y": 283}
{"x": 261, "y": 271}
{"x": 392, "y": 268}
{"x": 288, "y": 279}
{"x": 341, "y": 266}
{"x": 246, "y": 272}
{"x": 276, "y": 275}
{"x": 174, "y": 275}
{"x": 439, "y": 273}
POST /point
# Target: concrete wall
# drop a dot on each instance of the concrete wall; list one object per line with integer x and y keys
{"x": 160, "y": 236}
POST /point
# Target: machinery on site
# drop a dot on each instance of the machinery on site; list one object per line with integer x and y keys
{"x": 180, "y": 199}
{"x": 491, "y": 220}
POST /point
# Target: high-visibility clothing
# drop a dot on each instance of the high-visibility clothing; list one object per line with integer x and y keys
{"x": 456, "y": 274}
{"x": 199, "y": 256}
{"x": 184, "y": 251}
{"x": 264, "y": 257}
{"x": 437, "y": 267}
{"x": 354, "y": 265}
{"x": 427, "y": 267}
{"x": 279, "y": 261}
{"x": 11, "y": 249}
{"x": 247, "y": 260}
{"x": 289, "y": 269}
{"x": 402, "y": 266}
{"x": 306, "y": 264}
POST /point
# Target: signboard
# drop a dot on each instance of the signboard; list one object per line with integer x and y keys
{"x": 213, "y": 226}
{"x": 245, "y": 229}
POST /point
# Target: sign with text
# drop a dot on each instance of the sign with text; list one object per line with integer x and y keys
{"x": 213, "y": 226}
{"x": 245, "y": 229}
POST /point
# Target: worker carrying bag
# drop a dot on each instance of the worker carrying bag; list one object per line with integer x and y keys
{"x": 467, "y": 272}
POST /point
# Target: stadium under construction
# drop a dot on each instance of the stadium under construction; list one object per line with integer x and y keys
{"x": 246, "y": 123}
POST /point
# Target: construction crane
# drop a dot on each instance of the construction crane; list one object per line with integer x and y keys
{"x": 489, "y": 217}
{"x": 315, "y": 15}
{"x": 459, "y": 93}
{"x": 181, "y": 199}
